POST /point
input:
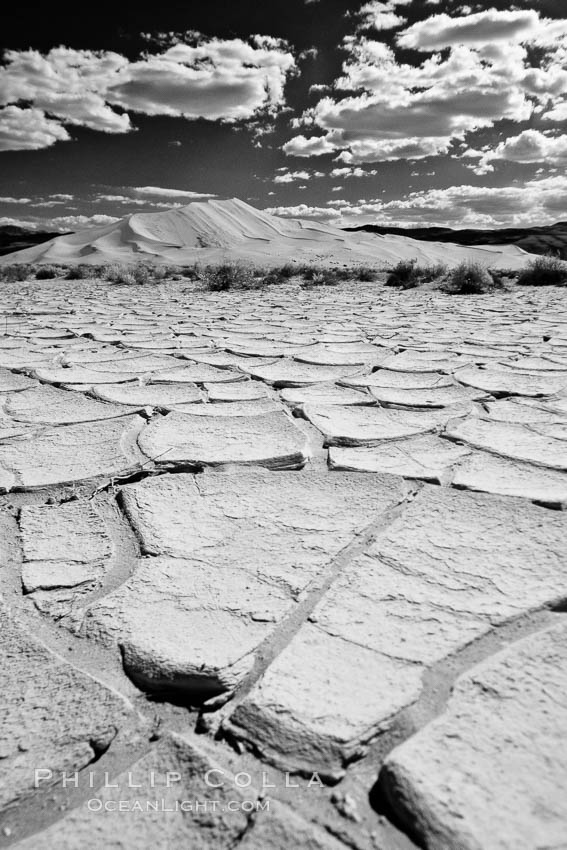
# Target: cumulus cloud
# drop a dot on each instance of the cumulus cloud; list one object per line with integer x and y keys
{"x": 480, "y": 28}
{"x": 528, "y": 147}
{"x": 557, "y": 113}
{"x": 61, "y": 223}
{"x": 534, "y": 202}
{"x": 81, "y": 222}
{"x": 8, "y": 220}
{"x": 487, "y": 72}
{"x": 312, "y": 146}
{"x": 219, "y": 79}
{"x": 381, "y": 14}
{"x": 294, "y": 176}
{"x": 353, "y": 172}
{"x": 304, "y": 211}
{"x": 215, "y": 79}
{"x": 54, "y": 200}
{"x": 68, "y": 84}
{"x": 28, "y": 130}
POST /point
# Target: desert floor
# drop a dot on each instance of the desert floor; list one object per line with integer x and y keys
{"x": 308, "y": 539}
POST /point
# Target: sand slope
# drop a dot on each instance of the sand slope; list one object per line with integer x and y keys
{"x": 213, "y": 231}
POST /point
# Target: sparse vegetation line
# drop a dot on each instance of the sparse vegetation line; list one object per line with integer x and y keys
{"x": 467, "y": 278}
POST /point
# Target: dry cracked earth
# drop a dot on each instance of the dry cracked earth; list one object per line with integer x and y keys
{"x": 305, "y": 540}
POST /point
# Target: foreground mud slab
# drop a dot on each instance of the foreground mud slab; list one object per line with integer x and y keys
{"x": 236, "y": 552}
{"x": 283, "y": 534}
{"x": 68, "y": 718}
{"x": 75, "y": 453}
{"x": 490, "y": 771}
{"x": 439, "y": 576}
{"x": 271, "y": 440}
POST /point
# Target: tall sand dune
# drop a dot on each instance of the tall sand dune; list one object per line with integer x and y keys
{"x": 215, "y": 231}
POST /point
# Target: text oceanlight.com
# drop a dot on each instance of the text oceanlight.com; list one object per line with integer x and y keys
{"x": 163, "y": 805}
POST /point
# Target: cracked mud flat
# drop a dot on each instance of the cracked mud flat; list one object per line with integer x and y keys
{"x": 269, "y": 536}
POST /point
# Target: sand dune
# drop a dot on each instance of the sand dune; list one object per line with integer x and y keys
{"x": 214, "y": 231}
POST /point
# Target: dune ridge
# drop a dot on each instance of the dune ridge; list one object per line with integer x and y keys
{"x": 223, "y": 230}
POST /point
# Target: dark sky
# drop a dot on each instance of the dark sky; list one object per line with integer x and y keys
{"x": 426, "y": 112}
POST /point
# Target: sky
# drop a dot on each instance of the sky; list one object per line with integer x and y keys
{"x": 410, "y": 113}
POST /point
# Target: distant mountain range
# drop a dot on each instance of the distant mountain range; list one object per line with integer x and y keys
{"x": 537, "y": 240}
{"x": 14, "y": 238}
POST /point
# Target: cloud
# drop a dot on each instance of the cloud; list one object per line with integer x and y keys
{"x": 127, "y": 200}
{"x": 293, "y": 176}
{"x": 353, "y": 172}
{"x": 557, "y": 113}
{"x": 157, "y": 191}
{"x": 535, "y": 202}
{"x": 313, "y": 146}
{"x": 28, "y": 130}
{"x": 150, "y": 197}
{"x": 304, "y": 211}
{"x": 309, "y": 53}
{"x": 381, "y": 15}
{"x": 146, "y": 197}
{"x": 216, "y": 79}
{"x": 81, "y": 222}
{"x": 68, "y": 84}
{"x": 528, "y": 147}
{"x": 50, "y": 203}
{"x": 480, "y": 28}
{"x": 10, "y": 200}
{"x": 383, "y": 109}
{"x": 60, "y": 223}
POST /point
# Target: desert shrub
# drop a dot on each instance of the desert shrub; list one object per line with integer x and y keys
{"x": 154, "y": 274}
{"x": 544, "y": 271}
{"x": 365, "y": 274}
{"x": 502, "y": 277}
{"x": 129, "y": 275}
{"x": 228, "y": 276}
{"x": 159, "y": 273}
{"x": 407, "y": 274}
{"x": 308, "y": 272}
{"x": 48, "y": 272}
{"x": 273, "y": 278}
{"x": 404, "y": 275}
{"x": 470, "y": 278}
{"x": 428, "y": 273}
{"x": 16, "y": 272}
{"x": 286, "y": 271}
{"x": 339, "y": 275}
{"x": 323, "y": 276}
{"x": 82, "y": 272}
{"x": 190, "y": 272}
{"x": 142, "y": 274}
